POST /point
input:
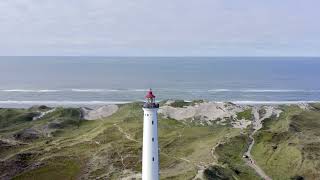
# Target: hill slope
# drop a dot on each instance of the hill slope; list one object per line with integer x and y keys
{"x": 62, "y": 145}
{"x": 289, "y": 146}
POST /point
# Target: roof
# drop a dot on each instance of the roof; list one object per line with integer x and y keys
{"x": 150, "y": 94}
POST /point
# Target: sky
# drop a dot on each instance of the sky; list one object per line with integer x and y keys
{"x": 159, "y": 28}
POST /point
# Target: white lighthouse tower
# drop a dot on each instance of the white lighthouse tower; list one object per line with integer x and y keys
{"x": 150, "y": 152}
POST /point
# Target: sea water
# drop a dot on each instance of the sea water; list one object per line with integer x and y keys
{"x": 26, "y": 81}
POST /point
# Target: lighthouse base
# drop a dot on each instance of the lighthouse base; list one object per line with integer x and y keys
{"x": 150, "y": 154}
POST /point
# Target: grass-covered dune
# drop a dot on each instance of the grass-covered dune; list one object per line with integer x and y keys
{"x": 62, "y": 145}
{"x": 288, "y": 147}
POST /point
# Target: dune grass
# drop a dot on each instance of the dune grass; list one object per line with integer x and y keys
{"x": 111, "y": 148}
{"x": 182, "y": 103}
{"x": 288, "y": 146}
{"x": 57, "y": 168}
{"x": 230, "y": 155}
{"x": 102, "y": 149}
{"x": 246, "y": 114}
{"x": 14, "y": 117}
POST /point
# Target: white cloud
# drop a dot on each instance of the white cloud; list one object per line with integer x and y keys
{"x": 168, "y": 27}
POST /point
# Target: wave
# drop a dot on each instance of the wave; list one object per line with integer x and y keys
{"x": 94, "y": 90}
{"x": 79, "y": 90}
{"x": 10, "y": 102}
{"x": 274, "y": 102}
{"x": 31, "y": 90}
{"x": 264, "y": 90}
{"x": 109, "y": 90}
{"x": 272, "y": 90}
{"x": 220, "y": 90}
{"x": 71, "y": 90}
{"x": 63, "y": 102}
{"x": 138, "y": 90}
{"x": 57, "y": 90}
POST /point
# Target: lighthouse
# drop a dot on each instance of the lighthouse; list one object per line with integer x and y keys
{"x": 150, "y": 151}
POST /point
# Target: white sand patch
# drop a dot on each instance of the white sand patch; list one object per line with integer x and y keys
{"x": 222, "y": 113}
{"x": 199, "y": 175}
{"x": 276, "y": 112}
{"x": 169, "y": 102}
{"x": 100, "y": 112}
{"x": 206, "y": 110}
{"x": 241, "y": 124}
{"x": 42, "y": 114}
{"x": 304, "y": 106}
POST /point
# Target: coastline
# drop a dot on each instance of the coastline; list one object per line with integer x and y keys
{"x": 52, "y": 103}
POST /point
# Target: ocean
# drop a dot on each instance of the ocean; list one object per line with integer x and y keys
{"x": 79, "y": 81}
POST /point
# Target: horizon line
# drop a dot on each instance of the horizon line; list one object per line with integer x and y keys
{"x": 155, "y": 56}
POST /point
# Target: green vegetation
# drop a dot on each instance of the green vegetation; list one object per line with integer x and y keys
{"x": 182, "y": 103}
{"x": 64, "y": 117}
{"x": 246, "y": 114}
{"x": 10, "y": 117}
{"x": 262, "y": 112}
{"x": 316, "y": 106}
{"x": 58, "y": 168}
{"x": 230, "y": 155}
{"x": 194, "y": 102}
{"x": 218, "y": 172}
{"x": 70, "y": 148}
{"x": 289, "y": 146}
{"x": 102, "y": 148}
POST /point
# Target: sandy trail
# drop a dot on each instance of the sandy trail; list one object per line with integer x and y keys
{"x": 257, "y": 125}
{"x": 128, "y": 136}
{"x": 42, "y": 114}
{"x": 99, "y": 113}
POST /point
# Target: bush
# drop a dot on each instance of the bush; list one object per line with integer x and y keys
{"x": 180, "y": 104}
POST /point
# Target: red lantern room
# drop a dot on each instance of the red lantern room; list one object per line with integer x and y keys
{"x": 150, "y": 97}
{"x": 150, "y": 100}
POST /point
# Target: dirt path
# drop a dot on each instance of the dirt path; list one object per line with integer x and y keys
{"x": 128, "y": 136}
{"x": 42, "y": 114}
{"x": 257, "y": 124}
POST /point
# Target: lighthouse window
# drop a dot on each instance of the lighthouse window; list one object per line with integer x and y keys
{"x": 152, "y": 122}
{"x": 152, "y": 139}
{"x": 152, "y": 158}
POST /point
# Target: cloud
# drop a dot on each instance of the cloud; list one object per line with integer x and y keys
{"x": 169, "y": 27}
